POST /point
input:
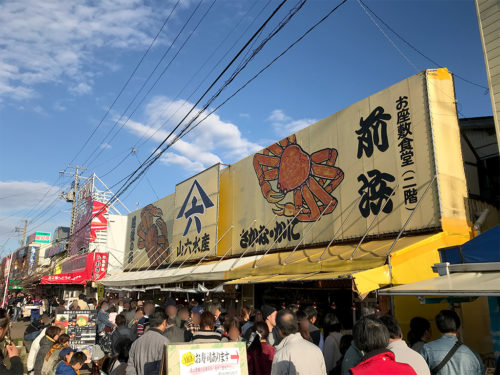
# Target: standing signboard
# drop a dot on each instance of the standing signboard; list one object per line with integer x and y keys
{"x": 229, "y": 358}
{"x": 80, "y": 325}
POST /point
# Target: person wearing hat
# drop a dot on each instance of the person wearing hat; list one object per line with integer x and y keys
{"x": 97, "y": 357}
{"x": 73, "y": 366}
{"x": 193, "y": 323}
{"x": 171, "y": 310}
{"x": 269, "y": 315}
{"x": 66, "y": 354}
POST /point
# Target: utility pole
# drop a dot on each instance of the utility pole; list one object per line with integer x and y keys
{"x": 18, "y": 229}
{"x": 72, "y": 196}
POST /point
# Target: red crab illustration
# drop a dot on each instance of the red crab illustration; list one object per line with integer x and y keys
{"x": 153, "y": 235}
{"x": 310, "y": 177}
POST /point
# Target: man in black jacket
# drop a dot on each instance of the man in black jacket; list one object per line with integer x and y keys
{"x": 121, "y": 333}
{"x": 51, "y": 336}
{"x": 315, "y": 332}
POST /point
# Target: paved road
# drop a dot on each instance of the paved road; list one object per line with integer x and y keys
{"x": 17, "y": 329}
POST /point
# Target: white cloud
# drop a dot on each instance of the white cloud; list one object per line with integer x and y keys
{"x": 212, "y": 142}
{"x": 53, "y": 41}
{"x": 284, "y": 125}
{"x": 81, "y": 89}
{"x": 38, "y": 109}
{"x": 19, "y": 195}
{"x": 59, "y": 107}
{"x": 106, "y": 146}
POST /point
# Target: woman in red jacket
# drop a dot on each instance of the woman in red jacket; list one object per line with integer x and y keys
{"x": 371, "y": 337}
{"x": 260, "y": 354}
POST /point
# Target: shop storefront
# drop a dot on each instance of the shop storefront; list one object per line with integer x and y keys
{"x": 78, "y": 272}
{"x": 356, "y": 202}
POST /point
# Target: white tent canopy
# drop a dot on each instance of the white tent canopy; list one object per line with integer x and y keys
{"x": 459, "y": 284}
{"x": 203, "y": 272}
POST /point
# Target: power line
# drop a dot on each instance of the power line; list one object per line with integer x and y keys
{"x": 141, "y": 140}
{"x": 207, "y": 75}
{"x": 147, "y": 178}
{"x": 129, "y": 182}
{"x": 131, "y": 176}
{"x": 268, "y": 65}
{"x": 139, "y": 63}
{"x": 93, "y": 156}
{"x": 417, "y": 50}
{"x": 156, "y": 154}
{"x": 156, "y": 151}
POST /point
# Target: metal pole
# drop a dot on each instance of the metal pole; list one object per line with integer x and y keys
{"x": 389, "y": 252}
{"x": 304, "y": 234}
{"x": 24, "y": 232}
{"x": 270, "y": 247}
{"x": 208, "y": 252}
{"x": 220, "y": 260}
{"x": 373, "y": 222}
{"x": 250, "y": 245}
{"x": 340, "y": 228}
{"x": 215, "y": 247}
{"x": 411, "y": 215}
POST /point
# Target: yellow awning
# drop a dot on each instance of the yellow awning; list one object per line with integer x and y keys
{"x": 412, "y": 258}
{"x": 287, "y": 278}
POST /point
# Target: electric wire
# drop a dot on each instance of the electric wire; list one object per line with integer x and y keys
{"x": 141, "y": 141}
{"x": 418, "y": 51}
{"x": 268, "y": 65}
{"x": 131, "y": 176}
{"x": 139, "y": 63}
{"x": 147, "y": 178}
{"x": 158, "y": 152}
{"x": 98, "y": 152}
{"x": 186, "y": 101}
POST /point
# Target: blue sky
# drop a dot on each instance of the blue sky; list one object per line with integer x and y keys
{"x": 62, "y": 63}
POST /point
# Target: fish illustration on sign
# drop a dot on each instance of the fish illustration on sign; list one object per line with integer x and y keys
{"x": 152, "y": 235}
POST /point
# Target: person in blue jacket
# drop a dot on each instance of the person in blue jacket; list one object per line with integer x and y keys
{"x": 75, "y": 364}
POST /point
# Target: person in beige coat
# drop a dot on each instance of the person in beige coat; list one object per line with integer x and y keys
{"x": 294, "y": 355}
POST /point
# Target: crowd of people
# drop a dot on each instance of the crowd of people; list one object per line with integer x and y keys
{"x": 131, "y": 336}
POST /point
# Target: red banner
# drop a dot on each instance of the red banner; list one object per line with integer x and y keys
{"x": 95, "y": 269}
{"x": 91, "y": 212}
{"x": 99, "y": 222}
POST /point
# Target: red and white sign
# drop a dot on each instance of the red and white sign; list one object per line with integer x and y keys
{"x": 94, "y": 270}
{"x": 90, "y": 220}
{"x": 99, "y": 221}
